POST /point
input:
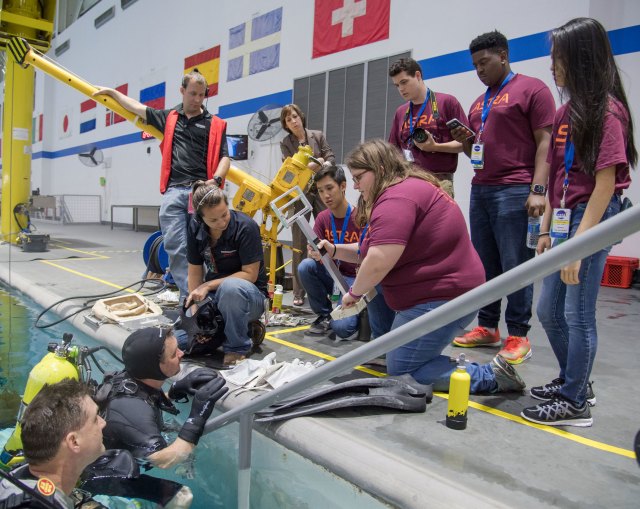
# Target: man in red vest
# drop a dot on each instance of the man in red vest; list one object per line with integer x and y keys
{"x": 194, "y": 148}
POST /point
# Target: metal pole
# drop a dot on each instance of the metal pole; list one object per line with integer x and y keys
{"x": 244, "y": 460}
{"x": 596, "y": 238}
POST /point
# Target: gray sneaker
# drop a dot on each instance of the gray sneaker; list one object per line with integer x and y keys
{"x": 507, "y": 377}
{"x": 549, "y": 391}
{"x": 321, "y": 327}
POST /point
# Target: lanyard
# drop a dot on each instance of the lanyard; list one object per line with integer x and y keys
{"x": 424, "y": 105}
{"x": 362, "y": 236}
{"x": 486, "y": 105}
{"x": 569, "y": 152}
{"x": 336, "y": 239}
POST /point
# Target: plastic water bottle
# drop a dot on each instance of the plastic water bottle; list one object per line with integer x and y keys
{"x": 277, "y": 300}
{"x": 459, "y": 387}
{"x": 533, "y": 232}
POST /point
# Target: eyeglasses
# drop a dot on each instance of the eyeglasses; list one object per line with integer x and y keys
{"x": 357, "y": 178}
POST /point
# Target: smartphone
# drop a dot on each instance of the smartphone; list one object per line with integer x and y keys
{"x": 455, "y": 123}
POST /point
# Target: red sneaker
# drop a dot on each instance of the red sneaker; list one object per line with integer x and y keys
{"x": 480, "y": 336}
{"x": 516, "y": 350}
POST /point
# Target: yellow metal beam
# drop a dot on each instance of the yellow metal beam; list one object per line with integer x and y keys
{"x": 26, "y": 55}
{"x": 26, "y": 21}
{"x": 16, "y": 149}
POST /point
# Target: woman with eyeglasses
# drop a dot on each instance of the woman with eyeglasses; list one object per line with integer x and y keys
{"x": 417, "y": 246}
{"x": 294, "y": 122}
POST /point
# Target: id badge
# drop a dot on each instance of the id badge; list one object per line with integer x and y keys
{"x": 477, "y": 156}
{"x": 560, "y": 224}
{"x": 408, "y": 155}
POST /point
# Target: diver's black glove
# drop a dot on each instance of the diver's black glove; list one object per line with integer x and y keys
{"x": 201, "y": 408}
{"x": 188, "y": 385}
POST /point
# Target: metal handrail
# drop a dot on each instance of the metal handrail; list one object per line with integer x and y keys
{"x": 600, "y": 236}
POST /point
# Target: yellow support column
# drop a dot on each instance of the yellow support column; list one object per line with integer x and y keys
{"x": 16, "y": 145}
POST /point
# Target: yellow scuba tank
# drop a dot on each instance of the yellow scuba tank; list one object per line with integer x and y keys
{"x": 58, "y": 364}
{"x": 459, "y": 386}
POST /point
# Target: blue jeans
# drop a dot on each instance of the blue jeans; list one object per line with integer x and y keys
{"x": 568, "y": 314}
{"x": 422, "y": 358}
{"x": 498, "y": 222}
{"x": 174, "y": 220}
{"x": 239, "y": 303}
{"x": 318, "y": 284}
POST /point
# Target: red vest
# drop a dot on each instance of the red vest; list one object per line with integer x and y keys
{"x": 213, "y": 150}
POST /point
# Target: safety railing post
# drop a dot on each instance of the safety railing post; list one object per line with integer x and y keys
{"x": 244, "y": 460}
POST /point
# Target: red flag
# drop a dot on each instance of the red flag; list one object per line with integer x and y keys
{"x": 342, "y": 24}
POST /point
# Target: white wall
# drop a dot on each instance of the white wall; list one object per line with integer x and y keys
{"x": 151, "y": 38}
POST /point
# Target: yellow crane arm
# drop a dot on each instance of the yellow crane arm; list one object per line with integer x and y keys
{"x": 25, "y": 55}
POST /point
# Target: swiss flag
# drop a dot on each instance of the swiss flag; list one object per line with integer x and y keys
{"x": 342, "y": 24}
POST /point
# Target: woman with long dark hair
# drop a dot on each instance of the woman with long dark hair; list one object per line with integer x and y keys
{"x": 590, "y": 154}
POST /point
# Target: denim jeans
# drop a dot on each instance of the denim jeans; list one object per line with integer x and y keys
{"x": 498, "y": 222}
{"x": 318, "y": 284}
{"x": 422, "y": 358}
{"x": 239, "y": 303}
{"x": 174, "y": 220}
{"x": 568, "y": 314}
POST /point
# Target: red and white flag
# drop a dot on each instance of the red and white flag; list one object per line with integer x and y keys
{"x": 342, "y": 24}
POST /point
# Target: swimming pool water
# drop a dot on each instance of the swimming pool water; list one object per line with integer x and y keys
{"x": 280, "y": 478}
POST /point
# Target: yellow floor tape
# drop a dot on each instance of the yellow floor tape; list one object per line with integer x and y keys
{"x": 478, "y": 406}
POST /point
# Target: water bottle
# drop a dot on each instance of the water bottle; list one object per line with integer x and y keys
{"x": 533, "y": 232}
{"x": 277, "y": 300}
{"x": 459, "y": 387}
{"x": 335, "y": 295}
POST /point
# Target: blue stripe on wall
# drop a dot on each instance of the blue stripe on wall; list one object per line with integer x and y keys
{"x": 252, "y": 105}
{"x": 623, "y": 41}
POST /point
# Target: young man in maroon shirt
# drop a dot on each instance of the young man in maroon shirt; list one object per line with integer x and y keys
{"x": 512, "y": 121}
{"x": 425, "y": 114}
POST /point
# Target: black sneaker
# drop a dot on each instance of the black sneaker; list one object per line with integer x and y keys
{"x": 559, "y": 412}
{"x": 506, "y": 376}
{"x": 548, "y": 391}
{"x": 321, "y": 327}
{"x": 257, "y": 331}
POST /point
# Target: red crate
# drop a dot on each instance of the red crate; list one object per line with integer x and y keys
{"x": 618, "y": 271}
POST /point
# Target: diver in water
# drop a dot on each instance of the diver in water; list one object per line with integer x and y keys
{"x": 132, "y": 401}
{"x": 62, "y": 435}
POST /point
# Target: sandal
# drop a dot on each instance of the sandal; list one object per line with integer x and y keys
{"x": 298, "y": 301}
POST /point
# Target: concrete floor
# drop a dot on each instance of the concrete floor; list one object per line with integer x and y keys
{"x": 410, "y": 460}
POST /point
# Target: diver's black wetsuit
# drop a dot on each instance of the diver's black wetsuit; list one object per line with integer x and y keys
{"x": 133, "y": 411}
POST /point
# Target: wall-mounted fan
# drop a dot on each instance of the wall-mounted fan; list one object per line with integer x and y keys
{"x": 92, "y": 158}
{"x": 265, "y": 123}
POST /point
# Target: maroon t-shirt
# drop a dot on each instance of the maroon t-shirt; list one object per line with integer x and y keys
{"x": 613, "y": 152}
{"x": 438, "y": 262}
{"x": 322, "y": 228}
{"x": 524, "y": 105}
{"x": 448, "y": 108}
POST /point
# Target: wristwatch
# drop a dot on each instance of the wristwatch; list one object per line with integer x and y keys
{"x": 218, "y": 181}
{"x": 538, "y": 189}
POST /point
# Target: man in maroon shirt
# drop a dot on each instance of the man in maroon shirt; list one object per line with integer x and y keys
{"x": 425, "y": 114}
{"x": 512, "y": 121}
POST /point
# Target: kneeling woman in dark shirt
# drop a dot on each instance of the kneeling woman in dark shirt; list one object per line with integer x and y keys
{"x": 224, "y": 251}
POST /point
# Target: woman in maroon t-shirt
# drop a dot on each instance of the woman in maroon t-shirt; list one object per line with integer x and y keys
{"x": 417, "y": 246}
{"x": 590, "y": 153}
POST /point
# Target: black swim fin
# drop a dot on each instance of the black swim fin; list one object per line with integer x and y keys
{"x": 400, "y": 393}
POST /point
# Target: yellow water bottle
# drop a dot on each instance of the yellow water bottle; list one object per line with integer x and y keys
{"x": 277, "y": 300}
{"x": 459, "y": 387}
